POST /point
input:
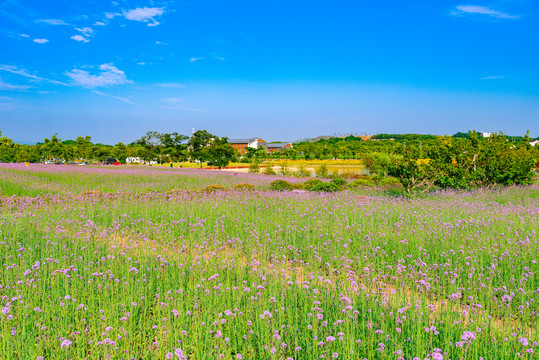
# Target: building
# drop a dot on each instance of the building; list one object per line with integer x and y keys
{"x": 535, "y": 142}
{"x": 486, "y": 134}
{"x": 242, "y": 144}
{"x": 275, "y": 147}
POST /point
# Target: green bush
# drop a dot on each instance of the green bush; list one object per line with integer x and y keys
{"x": 268, "y": 170}
{"x": 254, "y": 167}
{"x": 387, "y": 181}
{"x": 326, "y": 187}
{"x": 280, "y": 185}
{"x": 213, "y": 188}
{"x": 360, "y": 183}
{"x": 244, "y": 187}
{"x": 322, "y": 171}
{"x": 310, "y": 183}
{"x": 339, "y": 182}
{"x": 298, "y": 186}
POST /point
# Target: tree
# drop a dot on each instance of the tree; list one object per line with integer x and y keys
{"x": 200, "y": 140}
{"x": 219, "y": 153}
{"x": 83, "y": 147}
{"x": 53, "y": 148}
{"x": 174, "y": 146}
{"x": 151, "y": 141}
{"x": 119, "y": 152}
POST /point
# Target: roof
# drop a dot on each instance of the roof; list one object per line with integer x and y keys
{"x": 277, "y": 145}
{"x": 243, "y": 141}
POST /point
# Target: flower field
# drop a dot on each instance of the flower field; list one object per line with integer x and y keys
{"x": 139, "y": 271}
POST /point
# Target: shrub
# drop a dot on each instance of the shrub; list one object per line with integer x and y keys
{"x": 244, "y": 187}
{"x": 360, "y": 183}
{"x": 298, "y": 186}
{"x": 302, "y": 171}
{"x": 387, "y": 181}
{"x": 213, "y": 188}
{"x": 254, "y": 167}
{"x": 310, "y": 183}
{"x": 280, "y": 185}
{"x": 326, "y": 187}
{"x": 89, "y": 193}
{"x": 339, "y": 182}
{"x": 322, "y": 171}
{"x": 268, "y": 170}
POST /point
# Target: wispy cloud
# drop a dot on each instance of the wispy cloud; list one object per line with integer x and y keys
{"x": 41, "y": 41}
{"x": 463, "y": 10}
{"x": 11, "y": 87}
{"x": 52, "y": 21}
{"x": 491, "y": 77}
{"x": 114, "y": 97}
{"x": 14, "y": 70}
{"x": 86, "y": 33}
{"x": 25, "y": 36}
{"x": 108, "y": 75}
{"x": 99, "y": 23}
{"x": 176, "y": 103}
{"x": 193, "y": 59}
{"x": 171, "y": 85}
{"x": 144, "y": 14}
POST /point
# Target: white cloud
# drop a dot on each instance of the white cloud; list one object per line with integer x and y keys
{"x": 80, "y": 38}
{"x": 53, "y": 21}
{"x": 171, "y": 85}
{"x": 86, "y": 31}
{"x": 41, "y": 41}
{"x": 491, "y": 78}
{"x": 193, "y": 59}
{"x": 462, "y": 10}
{"x": 145, "y": 14}
{"x": 114, "y": 97}
{"x": 25, "y": 36}
{"x": 109, "y": 75}
{"x": 176, "y": 103}
{"x": 11, "y": 87}
{"x": 99, "y": 23}
{"x": 14, "y": 70}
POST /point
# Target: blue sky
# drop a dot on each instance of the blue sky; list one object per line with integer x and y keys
{"x": 280, "y": 70}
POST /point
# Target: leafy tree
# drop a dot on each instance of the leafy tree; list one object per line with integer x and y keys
{"x": 197, "y": 144}
{"x": 53, "y": 148}
{"x": 119, "y": 152}
{"x": 83, "y": 147}
{"x": 151, "y": 141}
{"x": 219, "y": 153}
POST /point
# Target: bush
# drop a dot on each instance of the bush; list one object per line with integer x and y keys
{"x": 322, "y": 171}
{"x": 387, "y": 181}
{"x": 339, "y": 182}
{"x": 244, "y": 187}
{"x": 254, "y": 167}
{"x": 268, "y": 170}
{"x": 302, "y": 171}
{"x": 90, "y": 193}
{"x": 298, "y": 186}
{"x": 326, "y": 187}
{"x": 360, "y": 183}
{"x": 280, "y": 185}
{"x": 310, "y": 183}
{"x": 213, "y": 188}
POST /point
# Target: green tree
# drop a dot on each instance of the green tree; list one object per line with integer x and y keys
{"x": 219, "y": 153}
{"x": 197, "y": 144}
{"x": 119, "y": 152}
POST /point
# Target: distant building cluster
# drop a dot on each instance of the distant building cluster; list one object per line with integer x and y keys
{"x": 256, "y": 143}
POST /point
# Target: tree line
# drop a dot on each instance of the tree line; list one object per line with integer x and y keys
{"x": 202, "y": 147}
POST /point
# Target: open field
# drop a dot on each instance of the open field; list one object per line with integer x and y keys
{"x": 143, "y": 272}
